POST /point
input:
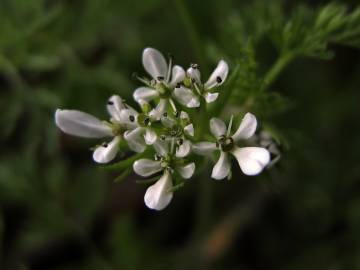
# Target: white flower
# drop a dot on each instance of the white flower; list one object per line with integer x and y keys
{"x": 159, "y": 195}
{"x": 165, "y": 78}
{"x": 143, "y": 134}
{"x": 252, "y": 160}
{"x": 179, "y": 128}
{"x": 190, "y": 98}
{"x": 84, "y": 125}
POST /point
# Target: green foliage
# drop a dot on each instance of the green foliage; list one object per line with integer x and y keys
{"x": 75, "y": 54}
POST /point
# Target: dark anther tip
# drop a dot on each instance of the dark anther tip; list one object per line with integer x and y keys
{"x": 218, "y": 79}
{"x": 110, "y": 103}
{"x": 132, "y": 118}
{"x": 160, "y": 78}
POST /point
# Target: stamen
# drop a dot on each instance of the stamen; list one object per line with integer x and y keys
{"x": 218, "y": 79}
{"x": 194, "y": 66}
{"x": 176, "y": 114}
{"x": 110, "y": 103}
{"x": 136, "y": 76}
{"x": 157, "y": 157}
{"x": 132, "y": 118}
{"x": 229, "y": 126}
{"x": 160, "y": 78}
{"x": 165, "y": 114}
{"x": 147, "y": 121}
{"x": 163, "y": 137}
{"x": 172, "y": 145}
{"x": 168, "y": 74}
{"x": 197, "y": 88}
{"x": 178, "y": 85}
{"x": 105, "y": 145}
{"x": 173, "y": 105}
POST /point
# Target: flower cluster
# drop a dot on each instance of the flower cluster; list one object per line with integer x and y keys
{"x": 167, "y": 102}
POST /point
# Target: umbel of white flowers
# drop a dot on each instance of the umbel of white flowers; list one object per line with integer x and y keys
{"x": 161, "y": 125}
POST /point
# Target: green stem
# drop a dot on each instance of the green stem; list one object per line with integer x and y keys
{"x": 283, "y": 60}
{"x": 192, "y": 33}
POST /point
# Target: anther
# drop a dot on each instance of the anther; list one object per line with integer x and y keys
{"x": 176, "y": 114}
{"x": 218, "y": 79}
{"x": 180, "y": 141}
{"x": 160, "y": 78}
{"x": 105, "y": 145}
{"x": 178, "y": 85}
{"x": 194, "y": 66}
{"x": 132, "y": 118}
{"x": 157, "y": 157}
{"x": 110, "y": 103}
{"x": 162, "y": 137}
{"x": 165, "y": 114}
{"x": 146, "y": 121}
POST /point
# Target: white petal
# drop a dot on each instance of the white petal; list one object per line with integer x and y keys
{"x": 168, "y": 122}
{"x": 186, "y": 97}
{"x": 146, "y": 167}
{"x": 184, "y": 115}
{"x": 159, "y": 110}
{"x": 184, "y": 149}
{"x": 137, "y": 146}
{"x": 247, "y": 128}
{"x": 81, "y": 124}
{"x": 135, "y": 140}
{"x": 210, "y": 97}
{"x": 161, "y": 147}
{"x": 114, "y": 106}
{"x": 252, "y": 160}
{"x": 222, "y": 167}
{"x": 187, "y": 171}
{"x": 217, "y": 127}
{"x": 107, "y": 152}
{"x": 204, "y": 148}
{"x": 124, "y": 118}
{"x": 145, "y": 93}
{"x": 220, "y": 73}
{"x": 178, "y": 75}
{"x": 189, "y": 130}
{"x": 154, "y": 63}
{"x": 157, "y": 196}
{"x": 194, "y": 73}
{"x": 150, "y": 136}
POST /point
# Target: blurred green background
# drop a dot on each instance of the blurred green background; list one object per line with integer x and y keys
{"x": 59, "y": 210}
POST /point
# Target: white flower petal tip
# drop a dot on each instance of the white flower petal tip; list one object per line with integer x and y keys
{"x": 150, "y": 136}
{"x": 247, "y": 128}
{"x": 184, "y": 149}
{"x": 157, "y": 112}
{"x": 178, "y": 75}
{"x": 146, "y": 167}
{"x": 218, "y": 76}
{"x": 154, "y": 63}
{"x": 142, "y": 94}
{"x": 194, "y": 73}
{"x": 211, "y": 97}
{"x": 204, "y": 148}
{"x": 189, "y": 130}
{"x": 217, "y": 127}
{"x": 158, "y": 196}
{"x": 81, "y": 124}
{"x": 107, "y": 152}
{"x": 222, "y": 167}
{"x": 186, "y": 97}
{"x": 187, "y": 171}
{"x": 252, "y": 160}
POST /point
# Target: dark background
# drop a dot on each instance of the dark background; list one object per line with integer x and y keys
{"x": 58, "y": 210}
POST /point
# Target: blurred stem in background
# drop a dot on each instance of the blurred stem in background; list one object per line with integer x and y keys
{"x": 283, "y": 60}
{"x": 192, "y": 33}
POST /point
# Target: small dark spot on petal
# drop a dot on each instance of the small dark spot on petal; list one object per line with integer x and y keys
{"x": 160, "y": 78}
{"x": 132, "y": 118}
{"x": 110, "y": 103}
{"x": 218, "y": 79}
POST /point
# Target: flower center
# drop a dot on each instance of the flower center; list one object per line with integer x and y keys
{"x": 225, "y": 143}
{"x": 163, "y": 89}
{"x": 143, "y": 120}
